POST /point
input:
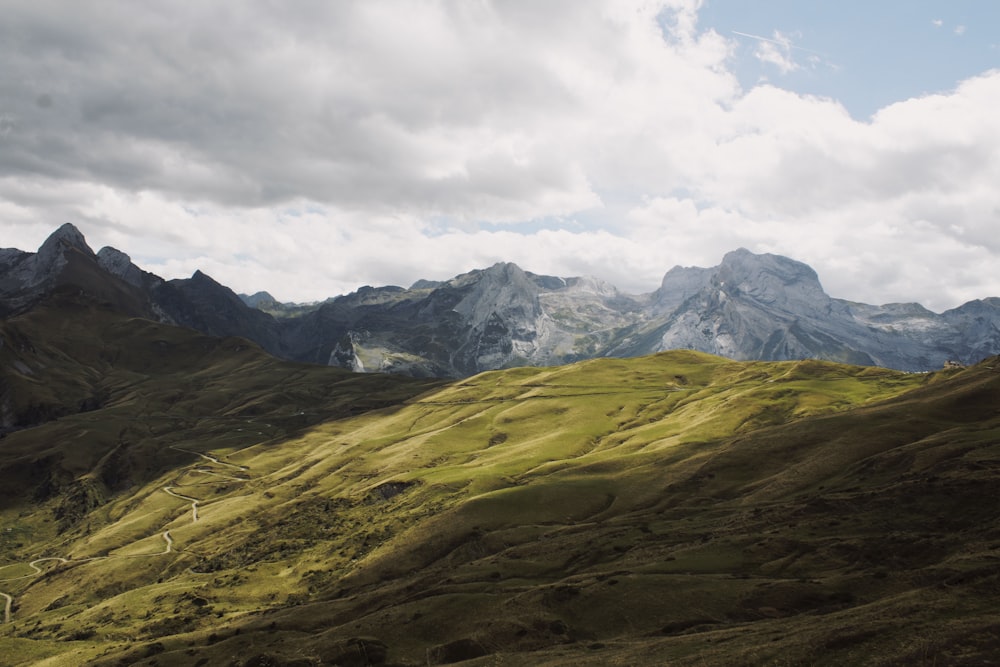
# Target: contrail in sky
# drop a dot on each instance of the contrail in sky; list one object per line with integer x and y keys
{"x": 786, "y": 43}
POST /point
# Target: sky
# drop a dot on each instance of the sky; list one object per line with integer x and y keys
{"x": 310, "y": 148}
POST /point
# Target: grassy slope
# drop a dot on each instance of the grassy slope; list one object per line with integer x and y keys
{"x": 678, "y": 508}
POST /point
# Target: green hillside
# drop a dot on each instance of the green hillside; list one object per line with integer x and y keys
{"x": 214, "y": 506}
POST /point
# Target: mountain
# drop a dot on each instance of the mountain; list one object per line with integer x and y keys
{"x": 751, "y": 306}
{"x": 771, "y": 307}
{"x": 204, "y": 305}
{"x": 763, "y": 307}
{"x": 260, "y": 300}
{"x": 482, "y": 320}
{"x": 136, "y": 387}
{"x": 65, "y": 263}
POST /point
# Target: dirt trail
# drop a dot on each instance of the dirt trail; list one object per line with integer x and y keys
{"x": 194, "y": 501}
{"x": 209, "y": 457}
{"x": 169, "y": 541}
{"x": 38, "y": 570}
{"x": 169, "y": 548}
{"x": 203, "y": 471}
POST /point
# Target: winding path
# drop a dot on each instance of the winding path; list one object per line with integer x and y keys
{"x": 209, "y": 457}
{"x": 203, "y": 471}
{"x": 169, "y": 541}
{"x": 38, "y": 570}
{"x": 169, "y": 548}
{"x": 194, "y": 501}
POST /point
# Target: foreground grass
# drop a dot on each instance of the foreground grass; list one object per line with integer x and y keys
{"x": 675, "y": 509}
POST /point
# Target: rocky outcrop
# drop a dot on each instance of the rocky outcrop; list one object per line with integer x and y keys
{"x": 485, "y": 319}
{"x": 26, "y": 277}
{"x": 120, "y": 265}
{"x": 345, "y": 356}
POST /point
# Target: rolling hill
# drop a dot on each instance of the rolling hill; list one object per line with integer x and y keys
{"x": 176, "y": 499}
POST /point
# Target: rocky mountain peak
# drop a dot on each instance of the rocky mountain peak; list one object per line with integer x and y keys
{"x": 423, "y": 284}
{"x": 119, "y": 264}
{"x": 50, "y": 254}
{"x": 65, "y": 238}
{"x": 68, "y": 236}
{"x": 770, "y": 279}
{"x": 201, "y": 278}
{"x": 28, "y": 275}
{"x": 203, "y": 287}
{"x": 113, "y": 260}
{"x": 741, "y": 264}
{"x": 504, "y": 269}
{"x": 259, "y": 299}
{"x": 680, "y": 284}
{"x": 502, "y": 288}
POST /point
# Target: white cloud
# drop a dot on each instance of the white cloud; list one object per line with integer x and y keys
{"x": 777, "y": 52}
{"x": 960, "y": 30}
{"x": 309, "y": 151}
{"x": 937, "y": 23}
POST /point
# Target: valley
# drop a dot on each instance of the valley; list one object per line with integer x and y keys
{"x": 222, "y": 507}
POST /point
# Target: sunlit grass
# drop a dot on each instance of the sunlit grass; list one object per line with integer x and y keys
{"x": 652, "y": 505}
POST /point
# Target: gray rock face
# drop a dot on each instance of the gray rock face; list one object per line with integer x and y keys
{"x": 485, "y": 319}
{"x": 975, "y": 329}
{"x": 67, "y": 237}
{"x": 120, "y": 265}
{"x": 26, "y": 277}
{"x": 749, "y": 307}
{"x": 501, "y": 310}
{"x": 773, "y": 308}
{"x": 679, "y": 285}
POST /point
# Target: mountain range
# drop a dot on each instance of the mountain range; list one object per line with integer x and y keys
{"x": 171, "y": 498}
{"x": 750, "y": 307}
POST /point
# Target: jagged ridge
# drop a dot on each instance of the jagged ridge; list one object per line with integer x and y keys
{"x": 751, "y": 306}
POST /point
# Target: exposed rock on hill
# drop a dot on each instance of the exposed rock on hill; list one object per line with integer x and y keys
{"x": 120, "y": 265}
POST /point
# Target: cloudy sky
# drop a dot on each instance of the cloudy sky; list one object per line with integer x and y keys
{"x": 309, "y": 148}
